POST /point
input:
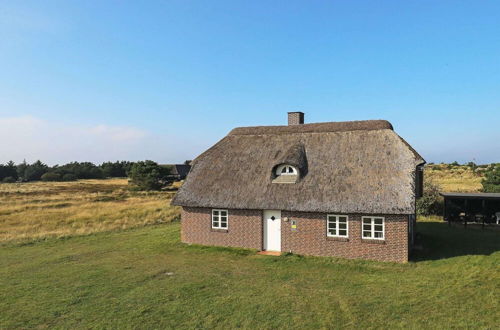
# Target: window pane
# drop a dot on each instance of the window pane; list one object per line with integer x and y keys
{"x": 343, "y": 232}
{"x": 283, "y": 170}
{"x": 367, "y": 220}
{"x": 223, "y": 213}
{"x": 343, "y": 219}
{"x": 378, "y": 221}
{"x": 378, "y": 227}
{"x": 342, "y": 226}
{"x": 378, "y": 235}
{"x": 332, "y": 232}
{"x": 367, "y": 227}
{"x": 215, "y": 223}
{"x": 223, "y": 224}
{"x": 367, "y": 234}
{"x": 215, "y": 212}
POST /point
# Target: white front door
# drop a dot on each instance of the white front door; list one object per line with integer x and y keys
{"x": 272, "y": 230}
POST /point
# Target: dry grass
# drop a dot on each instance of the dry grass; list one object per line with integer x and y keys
{"x": 38, "y": 210}
{"x": 455, "y": 179}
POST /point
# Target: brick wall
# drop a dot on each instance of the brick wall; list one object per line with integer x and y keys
{"x": 245, "y": 229}
{"x": 310, "y": 238}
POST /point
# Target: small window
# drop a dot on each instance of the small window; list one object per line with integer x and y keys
{"x": 286, "y": 170}
{"x": 373, "y": 228}
{"x": 337, "y": 226}
{"x": 219, "y": 219}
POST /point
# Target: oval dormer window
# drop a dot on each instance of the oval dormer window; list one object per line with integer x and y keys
{"x": 286, "y": 170}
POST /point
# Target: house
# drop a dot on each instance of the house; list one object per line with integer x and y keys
{"x": 180, "y": 171}
{"x": 344, "y": 189}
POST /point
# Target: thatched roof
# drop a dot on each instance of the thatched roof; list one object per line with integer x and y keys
{"x": 345, "y": 167}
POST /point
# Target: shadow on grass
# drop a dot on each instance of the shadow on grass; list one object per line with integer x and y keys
{"x": 440, "y": 241}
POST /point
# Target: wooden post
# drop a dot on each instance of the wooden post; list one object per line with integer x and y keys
{"x": 483, "y": 204}
{"x": 445, "y": 212}
{"x": 465, "y": 212}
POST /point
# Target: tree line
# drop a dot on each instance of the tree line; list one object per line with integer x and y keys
{"x": 143, "y": 175}
{"x": 25, "y": 172}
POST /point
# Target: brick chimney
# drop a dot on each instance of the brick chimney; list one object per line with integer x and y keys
{"x": 295, "y": 118}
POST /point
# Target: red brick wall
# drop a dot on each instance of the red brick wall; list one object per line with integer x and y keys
{"x": 245, "y": 229}
{"x": 310, "y": 238}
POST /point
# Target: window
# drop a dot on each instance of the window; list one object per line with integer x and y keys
{"x": 337, "y": 226}
{"x": 373, "y": 228}
{"x": 286, "y": 170}
{"x": 219, "y": 219}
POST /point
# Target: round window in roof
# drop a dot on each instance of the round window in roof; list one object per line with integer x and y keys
{"x": 286, "y": 170}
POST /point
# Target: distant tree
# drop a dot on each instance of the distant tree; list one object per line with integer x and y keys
{"x": 84, "y": 170}
{"x": 8, "y": 170}
{"x": 21, "y": 170}
{"x": 148, "y": 175}
{"x": 51, "y": 176}
{"x": 116, "y": 169}
{"x": 32, "y": 172}
{"x": 431, "y": 203}
{"x": 491, "y": 181}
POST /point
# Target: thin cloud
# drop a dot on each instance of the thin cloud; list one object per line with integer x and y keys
{"x": 31, "y": 138}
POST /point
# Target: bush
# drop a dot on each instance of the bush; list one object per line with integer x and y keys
{"x": 51, "y": 176}
{"x": 69, "y": 177}
{"x": 431, "y": 203}
{"x": 148, "y": 175}
{"x": 491, "y": 181}
{"x": 9, "y": 179}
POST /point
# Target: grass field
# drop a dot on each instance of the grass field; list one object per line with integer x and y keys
{"x": 39, "y": 210}
{"x": 145, "y": 278}
{"x": 456, "y": 179}
{"x": 92, "y": 254}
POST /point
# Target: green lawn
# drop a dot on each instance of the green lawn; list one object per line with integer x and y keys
{"x": 145, "y": 278}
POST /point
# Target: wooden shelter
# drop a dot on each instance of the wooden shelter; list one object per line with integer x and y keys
{"x": 471, "y": 207}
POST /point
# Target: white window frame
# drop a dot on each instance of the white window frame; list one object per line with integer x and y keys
{"x": 219, "y": 215}
{"x": 372, "y": 228}
{"x": 280, "y": 168}
{"x": 337, "y": 222}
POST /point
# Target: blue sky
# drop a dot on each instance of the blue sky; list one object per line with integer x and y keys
{"x": 164, "y": 80}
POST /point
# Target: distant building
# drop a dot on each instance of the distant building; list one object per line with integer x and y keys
{"x": 178, "y": 171}
{"x": 344, "y": 189}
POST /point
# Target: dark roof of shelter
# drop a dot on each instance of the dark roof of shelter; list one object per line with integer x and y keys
{"x": 472, "y": 195}
{"x": 345, "y": 167}
{"x": 181, "y": 169}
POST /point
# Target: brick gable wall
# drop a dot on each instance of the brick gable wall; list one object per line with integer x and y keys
{"x": 245, "y": 229}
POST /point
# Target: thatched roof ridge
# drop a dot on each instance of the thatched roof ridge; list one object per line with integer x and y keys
{"x": 356, "y": 170}
{"x": 341, "y": 126}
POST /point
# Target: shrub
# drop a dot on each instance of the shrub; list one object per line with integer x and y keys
{"x": 9, "y": 179}
{"x": 148, "y": 175}
{"x": 431, "y": 203}
{"x": 69, "y": 177}
{"x": 51, "y": 176}
{"x": 491, "y": 181}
